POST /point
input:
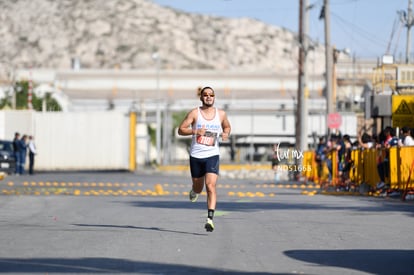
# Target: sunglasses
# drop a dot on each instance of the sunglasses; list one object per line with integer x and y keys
{"x": 207, "y": 95}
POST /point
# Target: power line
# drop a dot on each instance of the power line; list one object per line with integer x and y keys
{"x": 352, "y": 29}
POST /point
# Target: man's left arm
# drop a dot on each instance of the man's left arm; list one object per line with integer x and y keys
{"x": 225, "y": 125}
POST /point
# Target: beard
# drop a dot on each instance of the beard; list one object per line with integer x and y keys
{"x": 208, "y": 103}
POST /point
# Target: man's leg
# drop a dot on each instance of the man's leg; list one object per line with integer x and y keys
{"x": 198, "y": 184}
{"x": 197, "y": 177}
{"x": 329, "y": 165}
{"x": 17, "y": 156}
{"x": 30, "y": 163}
{"x": 197, "y": 188}
{"x": 211, "y": 179}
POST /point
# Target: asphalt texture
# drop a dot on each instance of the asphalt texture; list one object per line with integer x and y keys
{"x": 143, "y": 223}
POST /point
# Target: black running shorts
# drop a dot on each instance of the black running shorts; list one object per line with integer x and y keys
{"x": 199, "y": 167}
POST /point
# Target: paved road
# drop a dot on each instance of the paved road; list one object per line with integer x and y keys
{"x": 124, "y": 223}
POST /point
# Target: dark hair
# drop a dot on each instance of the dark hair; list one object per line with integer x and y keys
{"x": 389, "y": 130}
{"x": 365, "y": 138}
{"x": 405, "y": 129}
{"x": 205, "y": 88}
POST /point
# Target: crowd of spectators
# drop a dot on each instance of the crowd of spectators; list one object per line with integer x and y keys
{"x": 343, "y": 145}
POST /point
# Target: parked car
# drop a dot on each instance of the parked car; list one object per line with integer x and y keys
{"x": 7, "y": 159}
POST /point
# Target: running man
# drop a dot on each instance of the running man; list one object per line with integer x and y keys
{"x": 205, "y": 123}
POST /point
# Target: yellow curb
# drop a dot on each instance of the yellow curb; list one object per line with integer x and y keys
{"x": 158, "y": 189}
{"x": 223, "y": 167}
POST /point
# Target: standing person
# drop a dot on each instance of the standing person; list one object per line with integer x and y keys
{"x": 347, "y": 160}
{"x": 16, "y": 150}
{"x": 23, "y": 153}
{"x": 407, "y": 139}
{"x": 365, "y": 141}
{"x": 389, "y": 140}
{"x": 32, "y": 153}
{"x": 205, "y": 124}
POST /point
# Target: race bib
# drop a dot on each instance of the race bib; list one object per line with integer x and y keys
{"x": 209, "y": 139}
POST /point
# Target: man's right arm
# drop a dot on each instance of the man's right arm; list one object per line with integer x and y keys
{"x": 185, "y": 128}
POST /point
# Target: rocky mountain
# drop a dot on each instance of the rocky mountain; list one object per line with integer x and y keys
{"x": 126, "y": 33}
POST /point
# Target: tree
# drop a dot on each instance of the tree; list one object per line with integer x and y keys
{"x": 21, "y": 90}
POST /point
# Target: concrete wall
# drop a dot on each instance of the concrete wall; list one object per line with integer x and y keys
{"x": 72, "y": 141}
{"x": 99, "y": 140}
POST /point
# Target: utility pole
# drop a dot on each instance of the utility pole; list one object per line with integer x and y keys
{"x": 408, "y": 20}
{"x": 330, "y": 108}
{"x": 302, "y": 110}
{"x": 156, "y": 57}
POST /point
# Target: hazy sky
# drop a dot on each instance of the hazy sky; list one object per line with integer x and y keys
{"x": 366, "y": 27}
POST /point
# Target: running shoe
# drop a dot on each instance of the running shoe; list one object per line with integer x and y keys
{"x": 209, "y": 225}
{"x": 380, "y": 185}
{"x": 193, "y": 196}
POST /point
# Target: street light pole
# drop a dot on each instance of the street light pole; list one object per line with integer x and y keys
{"x": 409, "y": 21}
{"x": 302, "y": 110}
{"x": 328, "y": 61}
{"x": 156, "y": 57}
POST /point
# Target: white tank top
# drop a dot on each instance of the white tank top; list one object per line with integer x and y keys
{"x": 207, "y": 145}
